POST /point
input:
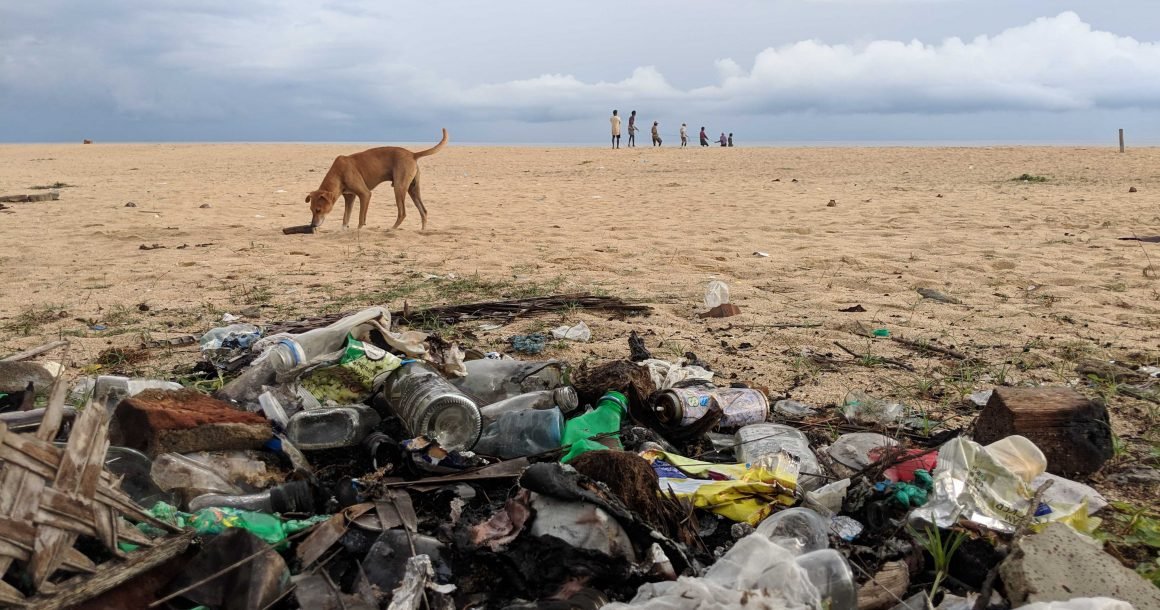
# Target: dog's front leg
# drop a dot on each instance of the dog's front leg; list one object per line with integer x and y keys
{"x": 349, "y": 197}
{"x": 364, "y": 204}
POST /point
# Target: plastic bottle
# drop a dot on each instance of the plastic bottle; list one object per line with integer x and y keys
{"x": 798, "y": 529}
{"x": 757, "y": 440}
{"x": 292, "y": 497}
{"x": 829, "y": 572}
{"x": 331, "y": 427}
{"x": 565, "y": 398}
{"x": 431, "y": 406}
{"x": 518, "y": 433}
{"x": 739, "y": 406}
{"x": 289, "y": 352}
{"x": 173, "y": 471}
{"x": 221, "y": 345}
{"x": 605, "y": 418}
{"x": 489, "y": 381}
{"x": 110, "y": 390}
{"x": 273, "y": 410}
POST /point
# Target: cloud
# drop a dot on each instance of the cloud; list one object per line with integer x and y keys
{"x": 339, "y": 65}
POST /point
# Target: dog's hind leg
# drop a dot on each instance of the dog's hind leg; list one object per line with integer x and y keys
{"x": 414, "y": 190}
{"x": 349, "y": 208}
{"x": 400, "y": 201}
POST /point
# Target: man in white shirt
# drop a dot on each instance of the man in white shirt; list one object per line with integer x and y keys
{"x": 684, "y": 135}
{"x": 615, "y": 120}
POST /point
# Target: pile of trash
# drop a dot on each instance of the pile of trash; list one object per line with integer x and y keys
{"x": 357, "y": 465}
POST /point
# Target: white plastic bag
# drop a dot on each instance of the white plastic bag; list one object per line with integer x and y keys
{"x": 755, "y": 573}
{"x": 666, "y": 374}
{"x": 971, "y": 482}
{"x": 580, "y": 332}
{"x": 717, "y": 293}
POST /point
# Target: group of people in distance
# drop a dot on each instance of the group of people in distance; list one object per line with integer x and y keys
{"x": 656, "y": 137}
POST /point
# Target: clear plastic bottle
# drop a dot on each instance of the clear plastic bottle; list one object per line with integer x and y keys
{"x": 757, "y": 440}
{"x": 829, "y": 572}
{"x": 431, "y": 406}
{"x": 489, "y": 381}
{"x": 331, "y": 427}
{"x": 292, "y": 497}
{"x": 289, "y": 352}
{"x": 564, "y": 397}
{"x": 519, "y": 433}
{"x": 798, "y": 529}
{"x": 173, "y": 471}
{"x": 110, "y": 390}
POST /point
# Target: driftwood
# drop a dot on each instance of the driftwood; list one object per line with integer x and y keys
{"x": 35, "y": 351}
{"x": 53, "y": 196}
{"x": 53, "y": 495}
{"x": 886, "y": 588}
{"x": 489, "y": 310}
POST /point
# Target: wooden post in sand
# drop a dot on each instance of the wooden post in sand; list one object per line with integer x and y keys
{"x": 1121, "y": 140}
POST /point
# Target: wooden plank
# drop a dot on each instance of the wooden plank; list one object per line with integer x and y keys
{"x": 111, "y": 575}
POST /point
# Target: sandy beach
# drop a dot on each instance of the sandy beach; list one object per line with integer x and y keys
{"x": 1041, "y": 278}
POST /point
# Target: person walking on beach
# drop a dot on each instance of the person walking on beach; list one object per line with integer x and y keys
{"x": 722, "y": 139}
{"x": 615, "y": 120}
{"x": 632, "y": 129}
{"x": 704, "y": 137}
{"x": 684, "y": 135}
{"x": 730, "y": 140}
{"x": 656, "y": 136}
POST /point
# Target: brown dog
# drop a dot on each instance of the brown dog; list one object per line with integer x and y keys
{"x": 357, "y": 174}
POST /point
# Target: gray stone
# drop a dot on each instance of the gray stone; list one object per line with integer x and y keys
{"x": 15, "y": 377}
{"x": 1136, "y": 475}
{"x": 1059, "y": 564}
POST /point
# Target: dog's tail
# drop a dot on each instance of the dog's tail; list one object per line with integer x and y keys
{"x": 434, "y": 149}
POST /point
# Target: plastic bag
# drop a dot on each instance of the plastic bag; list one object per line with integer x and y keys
{"x": 863, "y": 407}
{"x": 580, "y": 332}
{"x": 666, "y": 374}
{"x": 716, "y": 294}
{"x": 270, "y": 528}
{"x": 353, "y": 377}
{"x": 971, "y": 483}
{"x": 755, "y": 573}
{"x": 741, "y": 492}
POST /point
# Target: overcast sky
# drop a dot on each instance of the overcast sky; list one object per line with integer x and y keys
{"x": 552, "y": 70}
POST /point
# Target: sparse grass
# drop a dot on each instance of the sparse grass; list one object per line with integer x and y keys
{"x": 964, "y": 379}
{"x": 119, "y": 315}
{"x": 1030, "y": 178}
{"x": 942, "y": 550}
{"x": 32, "y": 318}
{"x": 54, "y": 185}
{"x": 1134, "y": 532}
{"x": 256, "y": 295}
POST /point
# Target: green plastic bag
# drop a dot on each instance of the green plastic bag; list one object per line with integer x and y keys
{"x": 352, "y": 379}
{"x": 215, "y": 520}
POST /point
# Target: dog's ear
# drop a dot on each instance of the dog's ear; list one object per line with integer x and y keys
{"x": 308, "y": 198}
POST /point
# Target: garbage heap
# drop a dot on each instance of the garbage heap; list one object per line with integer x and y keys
{"x": 354, "y": 465}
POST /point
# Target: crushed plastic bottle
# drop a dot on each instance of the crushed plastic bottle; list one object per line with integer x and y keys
{"x": 222, "y": 345}
{"x": 489, "y": 381}
{"x": 758, "y": 440}
{"x": 854, "y": 451}
{"x": 860, "y": 406}
{"x": 331, "y": 427}
{"x": 800, "y": 530}
{"x": 176, "y": 472}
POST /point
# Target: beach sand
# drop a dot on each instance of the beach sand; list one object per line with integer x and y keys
{"x": 1043, "y": 281}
